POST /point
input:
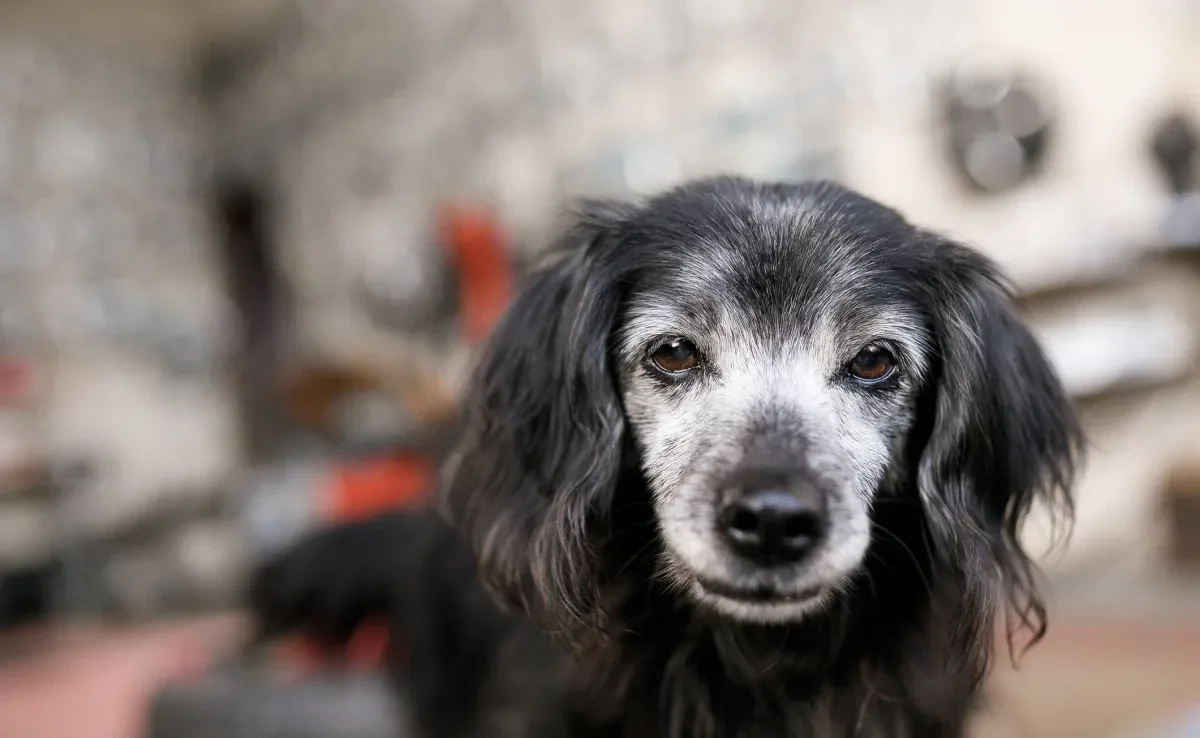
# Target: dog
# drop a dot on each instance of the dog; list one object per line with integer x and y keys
{"x": 745, "y": 460}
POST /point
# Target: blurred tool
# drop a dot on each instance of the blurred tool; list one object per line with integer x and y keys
{"x": 998, "y": 127}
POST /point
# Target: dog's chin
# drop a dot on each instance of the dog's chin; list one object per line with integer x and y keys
{"x": 762, "y": 606}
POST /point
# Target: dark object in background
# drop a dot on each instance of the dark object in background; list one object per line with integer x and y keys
{"x": 28, "y": 595}
{"x": 238, "y": 704}
{"x": 1181, "y": 500}
{"x": 256, "y": 291}
{"x": 1173, "y": 145}
{"x": 998, "y": 128}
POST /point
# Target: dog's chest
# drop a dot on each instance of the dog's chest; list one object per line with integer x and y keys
{"x": 845, "y": 713}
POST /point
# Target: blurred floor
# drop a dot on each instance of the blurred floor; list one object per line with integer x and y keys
{"x": 1097, "y": 678}
{"x": 94, "y": 682}
{"x": 1121, "y": 660}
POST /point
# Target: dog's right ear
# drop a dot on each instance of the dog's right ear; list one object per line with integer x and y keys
{"x": 1005, "y": 435}
{"x": 532, "y": 480}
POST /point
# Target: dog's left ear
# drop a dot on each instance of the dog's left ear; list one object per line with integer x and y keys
{"x": 1004, "y": 434}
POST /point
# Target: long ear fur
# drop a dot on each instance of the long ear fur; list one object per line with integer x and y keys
{"x": 1004, "y": 436}
{"x": 532, "y": 481}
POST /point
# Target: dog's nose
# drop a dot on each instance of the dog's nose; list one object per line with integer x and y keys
{"x": 774, "y": 526}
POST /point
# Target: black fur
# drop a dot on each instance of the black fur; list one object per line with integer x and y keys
{"x": 550, "y": 515}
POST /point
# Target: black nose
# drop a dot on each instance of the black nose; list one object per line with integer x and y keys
{"x": 774, "y": 526}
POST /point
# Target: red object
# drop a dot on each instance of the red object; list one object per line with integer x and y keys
{"x": 369, "y": 486}
{"x": 367, "y": 649}
{"x": 16, "y": 380}
{"x": 478, "y": 247}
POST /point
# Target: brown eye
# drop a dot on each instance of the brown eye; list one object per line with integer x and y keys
{"x": 678, "y": 355}
{"x": 873, "y": 364}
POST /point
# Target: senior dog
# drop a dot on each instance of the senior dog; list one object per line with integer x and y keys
{"x": 746, "y": 460}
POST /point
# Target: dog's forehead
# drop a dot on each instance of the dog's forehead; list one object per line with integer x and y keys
{"x": 785, "y": 255}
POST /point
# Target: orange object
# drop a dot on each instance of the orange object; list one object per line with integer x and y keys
{"x": 478, "y": 247}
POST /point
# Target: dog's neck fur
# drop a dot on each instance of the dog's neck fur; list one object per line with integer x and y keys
{"x": 854, "y": 670}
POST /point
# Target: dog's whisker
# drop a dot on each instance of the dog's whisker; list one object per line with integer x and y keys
{"x": 636, "y": 556}
{"x": 917, "y": 564}
{"x": 870, "y": 581}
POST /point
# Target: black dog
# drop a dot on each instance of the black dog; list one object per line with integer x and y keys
{"x": 748, "y": 461}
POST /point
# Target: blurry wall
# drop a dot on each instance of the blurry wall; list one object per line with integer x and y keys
{"x": 111, "y": 284}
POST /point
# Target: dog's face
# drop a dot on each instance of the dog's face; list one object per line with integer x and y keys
{"x": 769, "y": 378}
{"x": 775, "y": 360}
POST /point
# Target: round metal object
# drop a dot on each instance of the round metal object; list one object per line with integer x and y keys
{"x": 998, "y": 127}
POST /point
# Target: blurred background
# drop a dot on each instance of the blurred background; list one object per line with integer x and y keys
{"x": 247, "y": 246}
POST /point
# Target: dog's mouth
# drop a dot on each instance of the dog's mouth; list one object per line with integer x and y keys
{"x": 759, "y": 595}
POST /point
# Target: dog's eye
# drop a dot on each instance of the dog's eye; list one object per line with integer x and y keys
{"x": 873, "y": 364}
{"x": 677, "y": 355}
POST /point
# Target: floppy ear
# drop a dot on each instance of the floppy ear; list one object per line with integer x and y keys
{"x": 1004, "y": 434}
{"x": 533, "y": 477}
